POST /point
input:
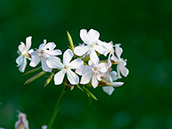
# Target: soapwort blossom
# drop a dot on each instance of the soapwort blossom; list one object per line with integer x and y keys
{"x": 65, "y": 67}
{"x": 93, "y": 71}
{"x": 120, "y": 62}
{"x": 24, "y": 54}
{"x": 91, "y": 45}
{"x": 110, "y": 78}
{"x": 44, "y": 52}
{"x": 22, "y": 122}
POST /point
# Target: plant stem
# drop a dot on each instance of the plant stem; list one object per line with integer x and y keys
{"x": 58, "y": 105}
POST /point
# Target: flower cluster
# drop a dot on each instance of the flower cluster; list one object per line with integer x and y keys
{"x": 81, "y": 65}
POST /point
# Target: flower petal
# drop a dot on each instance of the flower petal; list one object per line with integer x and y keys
{"x": 19, "y": 60}
{"x": 45, "y": 66}
{"x": 28, "y": 43}
{"x": 54, "y": 63}
{"x": 118, "y": 50}
{"x": 35, "y": 59}
{"x": 84, "y": 36}
{"x": 94, "y": 35}
{"x": 50, "y": 46}
{"x": 58, "y": 77}
{"x": 85, "y": 69}
{"x": 80, "y": 50}
{"x": 53, "y": 52}
{"x": 116, "y": 84}
{"x": 124, "y": 71}
{"x": 72, "y": 77}
{"x": 100, "y": 49}
{"x": 76, "y": 64}
{"x": 103, "y": 67}
{"x": 93, "y": 57}
{"x": 23, "y": 65}
{"x": 108, "y": 89}
{"x": 21, "y": 47}
{"x": 113, "y": 75}
{"x": 94, "y": 82}
{"x": 67, "y": 56}
{"x": 86, "y": 78}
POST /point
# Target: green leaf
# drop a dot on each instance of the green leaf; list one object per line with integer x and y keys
{"x": 90, "y": 94}
{"x": 35, "y": 77}
{"x": 70, "y": 41}
{"x": 48, "y": 79}
{"x": 32, "y": 71}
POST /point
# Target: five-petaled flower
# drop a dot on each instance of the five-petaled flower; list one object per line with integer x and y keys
{"x": 91, "y": 45}
{"x": 120, "y": 62}
{"x": 65, "y": 67}
{"x": 93, "y": 72}
{"x": 44, "y": 52}
{"x": 22, "y": 122}
{"x": 24, "y": 54}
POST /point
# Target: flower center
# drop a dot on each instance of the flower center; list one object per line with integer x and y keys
{"x": 66, "y": 67}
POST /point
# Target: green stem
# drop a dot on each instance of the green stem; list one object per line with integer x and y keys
{"x": 57, "y": 108}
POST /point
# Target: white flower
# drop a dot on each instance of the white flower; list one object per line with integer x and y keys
{"x": 109, "y": 50}
{"x": 110, "y": 78}
{"x": 44, "y": 127}
{"x": 44, "y": 52}
{"x": 24, "y": 54}
{"x": 93, "y": 71}
{"x": 91, "y": 41}
{"x": 22, "y": 122}
{"x": 65, "y": 67}
{"x": 120, "y": 62}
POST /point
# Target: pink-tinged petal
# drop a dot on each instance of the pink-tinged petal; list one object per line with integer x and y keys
{"x": 94, "y": 82}
{"x": 84, "y": 36}
{"x": 28, "y": 43}
{"x": 67, "y": 56}
{"x": 35, "y": 59}
{"x": 54, "y": 63}
{"x": 45, "y": 66}
{"x": 116, "y": 84}
{"x": 50, "y": 46}
{"x": 118, "y": 50}
{"x": 94, "y": 35}
{"x": 80, "y": 50}
{"x": 86, "y": 78}
{"x": 23, "y": 65}
{"x": 53, "y": 52}
{"x": 108, "y": 89}
{"x": 113, "y": 75}
{"x": 100, "y": 49}
{"x": 58, "y": 77}
{"x": 72, "y": 77}
{"x": 103, "y": 67}
{"x": 76, "y": 64}
{"x": 93, "y": 57}
{"x": 19, "y": 60}
{"x": 21, "y": 47}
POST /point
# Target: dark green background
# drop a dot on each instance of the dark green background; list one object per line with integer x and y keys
{"x": 144, "y": 29}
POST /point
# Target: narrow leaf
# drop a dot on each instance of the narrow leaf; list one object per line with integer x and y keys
{"x": 48, "y": 80}
{"x": 70, "y": 41}
{"x": 32, "y": 71}
{"x": 35, "y": 77}
{"x": 90, "y": 94}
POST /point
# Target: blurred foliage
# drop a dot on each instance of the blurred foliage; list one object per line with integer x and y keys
{"x": 143, "y": 27}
